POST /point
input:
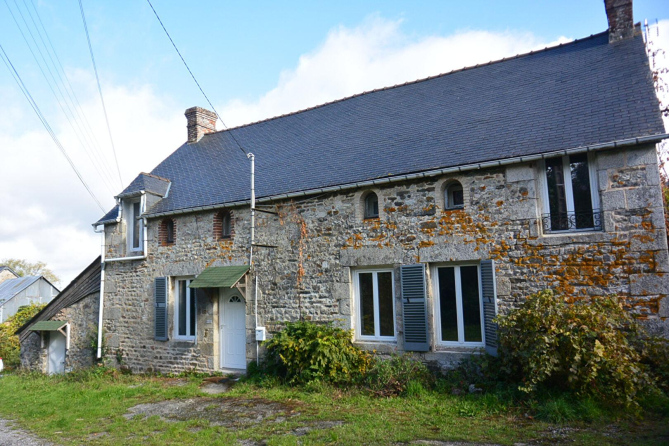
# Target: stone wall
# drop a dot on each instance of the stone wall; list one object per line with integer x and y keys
{"x": 321, "y": 240}
{"x": 83, "y": 319}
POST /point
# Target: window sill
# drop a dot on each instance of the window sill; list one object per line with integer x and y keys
{"x": 572, "y": 232}
{"x": 371, "y": 219}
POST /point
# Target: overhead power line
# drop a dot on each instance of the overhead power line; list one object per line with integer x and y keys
{"x": 45, "y": 123}
{"x": 194, "y": 79}
{"x": 104, "y": 109}
{"x": 71, "y": 111}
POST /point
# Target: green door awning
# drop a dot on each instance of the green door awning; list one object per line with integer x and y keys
{"x": 48, "y": 325}
{"x": 219, "y": 277}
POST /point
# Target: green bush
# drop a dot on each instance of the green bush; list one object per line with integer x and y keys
{"x": 586, "y": 347}
{"x": 10, "y": 349}
{"x": 399, "y": 375}
{"x": 304, "y": 351}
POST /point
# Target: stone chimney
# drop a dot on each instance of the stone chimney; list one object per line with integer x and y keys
{"x": 199, "y": 122}
{"x": 620, "y": 19}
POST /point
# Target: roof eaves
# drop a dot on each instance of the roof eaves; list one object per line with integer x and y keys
{"x": 423, "y": 174}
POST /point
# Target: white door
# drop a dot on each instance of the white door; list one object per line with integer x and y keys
{"x": 232, "y": 332}
{"x": 56, "y": 353}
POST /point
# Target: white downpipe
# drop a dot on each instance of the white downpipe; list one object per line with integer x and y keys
{"x": 102, "y": 291}
{"x": 252, "y": 158}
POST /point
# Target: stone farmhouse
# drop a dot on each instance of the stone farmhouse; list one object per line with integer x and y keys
{"x": 411, "y": 215}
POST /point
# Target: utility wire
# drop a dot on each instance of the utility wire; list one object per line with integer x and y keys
{"x": 58, "y": 100}
{"x": 95, "y": 68}
{"x": 45, "y": 123}
{"x": 58, "y": 67}
{"x": 195, "y": 80}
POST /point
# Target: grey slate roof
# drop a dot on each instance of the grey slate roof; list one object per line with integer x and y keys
{"x": 11, "y": 287}
{"x": 582, "y": 93}
{"x": 148, "y": 183}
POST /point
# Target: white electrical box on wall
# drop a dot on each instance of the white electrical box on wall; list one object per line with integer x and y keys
{"x": 260, "y": 333}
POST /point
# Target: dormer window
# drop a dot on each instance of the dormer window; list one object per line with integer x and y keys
{"x": 453, "y": 196}
{"x": 135, "y": 225}
{"x": 371, "y": 206}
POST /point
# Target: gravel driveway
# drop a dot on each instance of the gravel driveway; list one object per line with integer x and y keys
{"x": 13, "y": 436}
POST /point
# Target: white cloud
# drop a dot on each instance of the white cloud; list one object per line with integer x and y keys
{"x": 372, "y": 55}
{"x": 45, "y": 212}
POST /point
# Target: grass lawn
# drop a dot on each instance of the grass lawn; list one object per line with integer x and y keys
{"x": 89, "y": 408}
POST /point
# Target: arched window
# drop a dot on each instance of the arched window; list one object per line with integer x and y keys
{"x": 371, "y": 206}
{"x": 167, "y": 234}
{"x": 223, "y": 227}
{"x": 453, "y": 196}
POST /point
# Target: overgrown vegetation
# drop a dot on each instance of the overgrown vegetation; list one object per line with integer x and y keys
{"x": 303, "y": 352}
{"x": 9, "y": 343}
{"x": 593, "y": 348}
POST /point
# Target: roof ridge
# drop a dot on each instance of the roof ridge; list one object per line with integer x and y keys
{"x": 391, "y": 87}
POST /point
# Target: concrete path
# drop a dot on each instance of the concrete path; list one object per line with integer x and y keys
{"x": 13, "y": 436}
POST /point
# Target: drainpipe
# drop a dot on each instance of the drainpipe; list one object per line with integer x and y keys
{"x": 102, "y": 290}
{"x": 252, "y": 158}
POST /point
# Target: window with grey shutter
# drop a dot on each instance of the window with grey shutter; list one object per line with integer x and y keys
{"x": 160, "y": 306}
{"x": 415, "y": 318}
{"x": 488, "y": 272}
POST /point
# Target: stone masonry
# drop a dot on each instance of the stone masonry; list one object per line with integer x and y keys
{"x": 321, "y": 240}
{"x": 83, "y": 319}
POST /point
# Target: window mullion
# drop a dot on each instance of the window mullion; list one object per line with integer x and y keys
{"x": 459, "y": 304}
{"x": 375, "y": 303}
{"x": 567, "y": 178}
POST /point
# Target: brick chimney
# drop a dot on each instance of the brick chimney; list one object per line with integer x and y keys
{"x": 620, "y": 19}
{"x": 199, "y": 122}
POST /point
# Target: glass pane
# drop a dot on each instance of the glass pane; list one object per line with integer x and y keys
{"x": 170, "y": 231}
{"x": 136, "y": 225}
{"x": 472, "y": 325}
{"x": 581, "y": 191}
{"x": 457, "y": 196}
{"x": 448, "y": 317}
{"x": 181, "y": 309}
{"x": 385, "y": 291}
{"x": 192, "y": 312}
{"x": 225, "y": 225}
{"x": 556, "y": 188}
{"x": 366, "y": 304}
{"x": 371, "y": 206}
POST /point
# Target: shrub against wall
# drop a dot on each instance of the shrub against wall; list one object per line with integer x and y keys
{"x": 303, "y": 352}
{"x": 592, "y": 348}
{"x": 10, "y": 349}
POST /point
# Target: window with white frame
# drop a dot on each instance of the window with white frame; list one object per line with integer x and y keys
{"x": 134, "y": 226}
{"x": 184, "y": 310}
{"x": 459, "y": 313}
{"x": 375, "y": 308}
{"x": 570, "y": 194}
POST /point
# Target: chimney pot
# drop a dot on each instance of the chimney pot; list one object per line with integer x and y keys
{"x": 619, "y": 19}
{"x": 199, "y": 122}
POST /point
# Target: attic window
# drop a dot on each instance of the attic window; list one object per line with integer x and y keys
{"x": 223, "y": 227}
{"x": 371, "y": 206}
{"x": 453, "y": 196}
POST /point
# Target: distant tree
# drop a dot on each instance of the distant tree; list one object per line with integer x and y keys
{"x": 26, "y": 268}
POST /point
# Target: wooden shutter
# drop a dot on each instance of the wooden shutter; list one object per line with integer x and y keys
{"x": 488, "y": 272}
{"x": 160, "y": 306}
{"x": 415, "y": 318}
